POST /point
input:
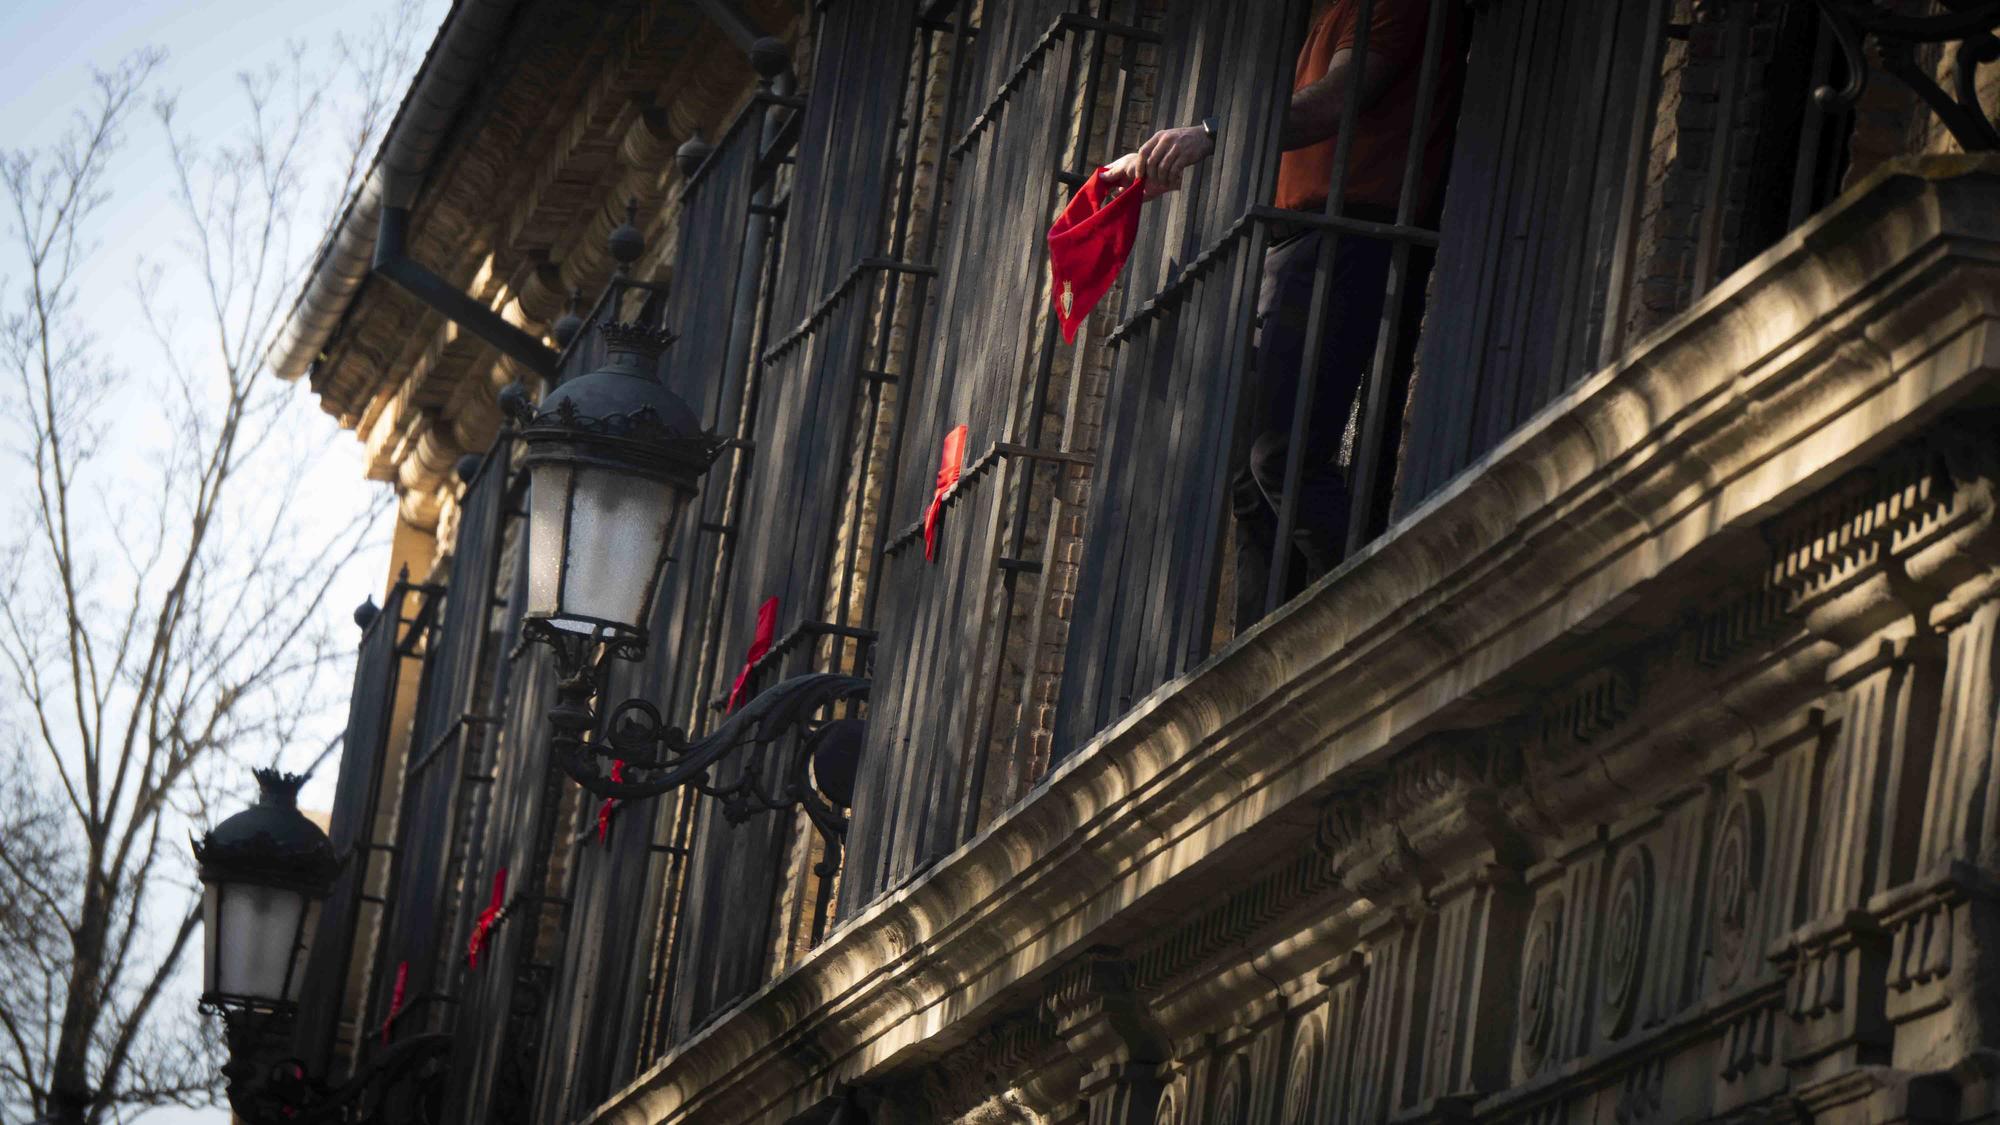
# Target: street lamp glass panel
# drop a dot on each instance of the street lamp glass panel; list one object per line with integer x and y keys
{"x": 598, "y": 565}
{"x": 548, "y": 503}
{"x": 253, "y": 940}
{"x": 618, "y": 533}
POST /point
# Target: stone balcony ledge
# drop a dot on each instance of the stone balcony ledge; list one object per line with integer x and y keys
{"x": 1644, "y": 483}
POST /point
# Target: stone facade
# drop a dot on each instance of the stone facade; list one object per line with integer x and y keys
{"x": 1645, "y": 772}
{"x": 1644, "y": 775}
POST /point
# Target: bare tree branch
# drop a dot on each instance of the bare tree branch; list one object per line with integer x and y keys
{"x": 164, "y": 614}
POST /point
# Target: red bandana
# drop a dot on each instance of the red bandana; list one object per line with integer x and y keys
{"x": 487, "y": 918}
{"x": 1088, "y": 246}
{"x": 767, "y": 631}
{"x": 396, "y": 999}
{"x": 949, "y": 466}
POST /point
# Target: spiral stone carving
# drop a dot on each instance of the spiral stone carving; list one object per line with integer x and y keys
{"x": 1229, "y": 1100}
{"x": 1738, "y": 875}
{"x": 1540, "y": 990}
{"x": 1300, "y": 1077}
{"x": 1628, "y": 921}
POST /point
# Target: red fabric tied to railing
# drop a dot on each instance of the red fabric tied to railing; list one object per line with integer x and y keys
{"x": 487, "y": 918}
{"x": 760, "y": 645}
{"x": 396, "y": 999}
{"x": 604, "y": 810}
{"x": 950, "y": 465}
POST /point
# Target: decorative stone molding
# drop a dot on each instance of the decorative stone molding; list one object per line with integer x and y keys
{"x": 1737, "y": 878}
{"x": 517, "y": 212}
{"x": 1229, "y": 925}
{"x": 1100, "y": 1015}
{"x": 1846, "y": 339}
{"x": 975, "y": 1081}
{"x": 1628, "y": 928}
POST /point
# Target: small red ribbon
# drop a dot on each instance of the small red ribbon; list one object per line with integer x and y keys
{"x": 767, "y": 631}
{"x": 604, "y": 810}
{"x": 396, "y": 999}
{"x": 949, "y": 465}
{"x": 487, "y": 918}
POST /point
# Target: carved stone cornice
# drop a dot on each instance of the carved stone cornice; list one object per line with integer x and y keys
{"x": 1852, "y": 335}
{"x": 516, "y": 214}
{"x": 983, "y": 1072}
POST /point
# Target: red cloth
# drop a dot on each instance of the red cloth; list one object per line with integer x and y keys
{"x": 604, "y": 810}
{"x": 396, "y": 999}
{"x": 487, "y": 918}
{"x": 1088, "y": 246}
{"x": 767, "y": 631}
{"x": 950, "y": 464}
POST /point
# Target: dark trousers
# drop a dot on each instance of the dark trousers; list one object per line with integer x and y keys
{"x": 1354, "y": 303}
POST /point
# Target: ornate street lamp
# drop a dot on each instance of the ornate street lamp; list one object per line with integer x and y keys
{"x": 614, "y": 456}
{"x": 264, "y": 874}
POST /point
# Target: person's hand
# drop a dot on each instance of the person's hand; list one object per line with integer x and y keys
{"x": 1160, "y": 161}
{"x": 1171, "y": 152}
{"x": 1121, "y": 172}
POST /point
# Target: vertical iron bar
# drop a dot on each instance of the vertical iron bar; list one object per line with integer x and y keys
{"x": 885, "y": 330}
{"x": 1618, "y": 284}
{"x": 1812, "y": 130}
{"x": 1309, "y": 360}
{"x": 1091, "y": 63}
{"x": 1073, "y": 405}
{"x": 1735, "y": 60}
{"x": 898, "y": 428}
{"x": 1380, "y": 380}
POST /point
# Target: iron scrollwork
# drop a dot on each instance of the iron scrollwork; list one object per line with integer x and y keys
{"x": 639, "y": 755}
{"x": 266, "y": 1085}
{"x": 1970, "y": 23}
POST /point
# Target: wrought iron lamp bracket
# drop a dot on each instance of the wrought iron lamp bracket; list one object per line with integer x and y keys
{"x": 1971, "y": 23}
{"x": 268, "y": 1085}
{"x": 639, "y": 755}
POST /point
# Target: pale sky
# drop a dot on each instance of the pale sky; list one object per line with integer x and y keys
{"x": 49, "y": 48}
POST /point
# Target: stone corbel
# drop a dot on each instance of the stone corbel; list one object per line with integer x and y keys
{"x": 1014, "y": 1072}
{"x": 1105, "y": 1023}
{"x": 1940, "y": 928}
{"x": 1834, "y": 971}
{"x": 1391, "y": 836}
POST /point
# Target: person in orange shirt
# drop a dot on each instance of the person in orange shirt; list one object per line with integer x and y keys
{"x": 1390, "y": 68}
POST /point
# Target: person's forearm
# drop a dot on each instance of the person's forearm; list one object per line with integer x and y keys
{"x": 1314, "y": 114}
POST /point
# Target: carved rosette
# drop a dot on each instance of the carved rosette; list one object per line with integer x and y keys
{"x": 1738, "y": 877}
{"x": 1541, "y": 992}
{"x": 1627, "y": 924}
